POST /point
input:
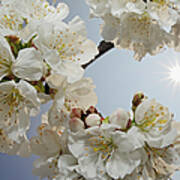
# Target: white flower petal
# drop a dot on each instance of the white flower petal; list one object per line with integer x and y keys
{"x": 121, "y": 164}
{"x": 28, "y": 65}
{"x": 81, "y": 94}
{"x": 6, "y": 57}
{"x": 72, "y": 70}
{"x": 120, "y": 118}
{"x": 43, "y": 167}
{"x": 67, "y": 162}
{"x": 30, "y": 93}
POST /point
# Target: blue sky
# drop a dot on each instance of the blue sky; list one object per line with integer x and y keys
{"x": 117, "y": 77}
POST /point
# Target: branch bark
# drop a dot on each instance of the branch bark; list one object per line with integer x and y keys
{"x": 103, "y": 48}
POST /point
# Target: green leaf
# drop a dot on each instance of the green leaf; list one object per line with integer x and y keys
{"x": 106, "y": 120}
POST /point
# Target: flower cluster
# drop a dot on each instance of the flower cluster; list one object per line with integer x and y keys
{"x": 143, "y": 26}
{"x": 42, "y": 59}
{"x": 81, "y": 144}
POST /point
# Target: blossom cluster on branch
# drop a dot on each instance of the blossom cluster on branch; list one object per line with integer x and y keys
{"x": 43, "y": 58}
{"x": 36, "y": 47}
{"x": 82, "y": 144}
{"x": 143, "y": 26}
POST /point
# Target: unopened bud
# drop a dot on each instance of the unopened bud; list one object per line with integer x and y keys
{"x": 120, "y": 118}
{"x": 13, "y": 39}
{"x": 93, "y": 120}
{"x": 76, "y": 112}
{"x": 76, "y": 124}
{"x": 137, "y": 99}
{"x": 91, "y": 110}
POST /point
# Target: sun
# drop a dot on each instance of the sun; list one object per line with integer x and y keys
{"x": 174, "y": 74}
{"x": 171, "y": 73}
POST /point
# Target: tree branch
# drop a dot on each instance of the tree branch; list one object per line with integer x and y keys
{"x": 103, "y": 48}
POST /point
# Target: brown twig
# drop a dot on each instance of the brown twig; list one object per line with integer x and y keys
{"x": 103, "y": 48}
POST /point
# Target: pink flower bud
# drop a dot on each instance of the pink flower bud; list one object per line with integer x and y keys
{"x": 120, "y": 118}
{"x": 76, "y": 112}
{"x": 93, "y": 120}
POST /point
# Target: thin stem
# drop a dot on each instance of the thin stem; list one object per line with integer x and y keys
{"x": 103, "y": 48}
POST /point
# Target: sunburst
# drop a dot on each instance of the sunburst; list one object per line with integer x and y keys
{"x": 174, "y": 74}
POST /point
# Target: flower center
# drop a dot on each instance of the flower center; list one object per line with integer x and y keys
{"x": 102, "y": 145}
{"x": 12, "y": 99}
{"x": 67, "y": 44}
{"x": 140, "y": 25}
{"x": 160, "y": 2}
{"x": 11, "y": 20}
{"x": 154, "y": 118}
{"x": 41, "y": 9}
